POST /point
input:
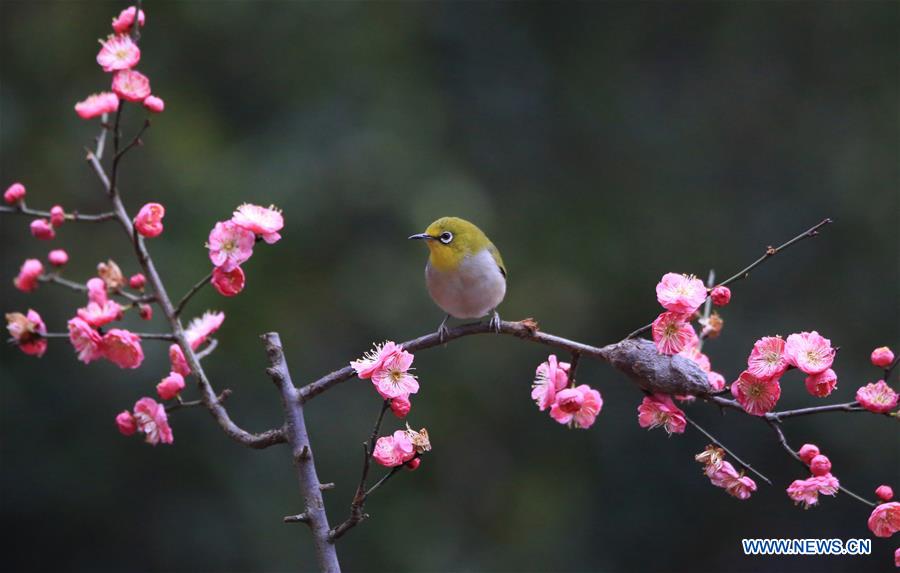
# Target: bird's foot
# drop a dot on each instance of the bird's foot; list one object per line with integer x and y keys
{"x": 442, "y": 330}
{"x": 495, "y": 322}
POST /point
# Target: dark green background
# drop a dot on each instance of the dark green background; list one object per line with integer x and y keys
{"x": 599, "y": 145}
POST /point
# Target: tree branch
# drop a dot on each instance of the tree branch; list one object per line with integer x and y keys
{"x": 194, "y": 290}
{"x": 143, "y": 335}
{"x": 58, "y": 280}
{"x": 21, "y": 209}
{"x": 732, "y": 454}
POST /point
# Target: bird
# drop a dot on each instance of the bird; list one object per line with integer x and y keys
{"x": 465, "y": 274}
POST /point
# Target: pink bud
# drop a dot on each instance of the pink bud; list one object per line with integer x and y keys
{"x": 884, "y": 492}
{"x": 413, "y": 464}
{"x": 57, "y": 216}
{"x": 149, "y": 220}
{"x": 131, "y": 85}
{"x": 137, "y": 281}
{"x": 41, "y": 229}
{"x": 145, "y": 311}
{"x": 882, "y": 357}
{"x": 15, "y": 193}
{"x": 170, "y": 386}
{"x": 126, "y": 423}
{"x": 154, "y": 104}
{"x": 400, "y": 406}
{"x": 96, "y": 290}
{"x": 58, "y": 257}
{"x": 125, "y": 20}
{"x": 720, "y": 295}
{"x": 820, "y": 465}
{"x": 228, "y": 283}
{"x": 808, "y": 452}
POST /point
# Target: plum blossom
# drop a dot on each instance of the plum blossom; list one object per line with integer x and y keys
{"x": 177, "y": 360}
{"x": 716, "y": 381}
{"x": 58, "y": 257}
{"x": 201, "y": 328}
{"x": 413, "y": 464}
{"x": 882, "y": 357}
{"x": 154, "y": 104}
{"x": 14, "y": 194}
{"x": 809, "y": 351}
{"x": 550, "y": 377}
{"x": 659, "y": 410}
{"x": 820, "y": 465}
{"x": 722, "y": 474}
{"x": 878, "y": 397}
{"x": 741, "y": 487}
{"x": 29, "y": 273}
{"x": 148, "y": 221}
{"x": 170, "y": 386}
{"x": 885, "y": 519}
{"x": 230, "y": 245}
{"x": 98, "y": 315}
{"x": 712, "y": 325}
{"x": 96, "y": 291}
{"x": 680, "y": 294}
{"x": 57, "y": 216}
{"x": 420, "y": 440}
{"x": 767, "y": 360}
{"x": 152, "y": 421}
{"x": 577, "y": 406}
{"x": 228, "y": 283}
{"x": 400, "y": 406}
{"x": 821, "y": 384}
{"x": 672, "y": 333}
{"x": 145, "y": 311}
{"x": 262, "y": 221}
{"x": 131, "y": 85}
{"x": 393, "y": 378}
{"x": 755, "y": 395}
{"x": 884, "y": 492}
{"x": 395, "y": 450}
{"x": 42, "y": 229}
{"x": 87, "y": 342}
{"x": 118, "y": 52}
{"x": 96, "y": 105}
{"x": 373, "y": 360}
{"x": 123, "y": 348}
{"x": 126, "y": 423}
{"x": 27, "y": 330}
{"x": 807, "y": 491}
{"x": 807, "y": 452}
{"x": 137, "y": 281}
{"x": 721, "y": 295}
{"x": 111, "y": 275}
{"x": 125, "y": 20}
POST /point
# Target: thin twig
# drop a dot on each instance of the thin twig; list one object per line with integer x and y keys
{"x": 707, "y": 306}
{"x": 383, "y": 479}
{"x": 143, "y": 335}
{"x": 56, "y": 279}
{"x": 182, "y": 404}
{"x": 134, "y": 142}
{"x": 721, "y": 445}
{"x": 21, "y": 209}
{"x": 194, "y": 290}
{"x": 210, "y": 346}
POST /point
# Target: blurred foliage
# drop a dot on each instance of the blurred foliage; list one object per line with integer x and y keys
{"x": 599, "y": 145}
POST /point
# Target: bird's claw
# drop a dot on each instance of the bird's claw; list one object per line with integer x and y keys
{"x": 442, "y": 330}
{"x": 495, "y": 322}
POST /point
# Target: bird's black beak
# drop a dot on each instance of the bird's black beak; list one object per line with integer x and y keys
{"x": 423, "y": 236}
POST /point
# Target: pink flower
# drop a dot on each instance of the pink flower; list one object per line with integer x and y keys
{"x": 659, "y": 410}
{"x": 392, "y": 451}
{"x": 550, "y": 377}
{"x": 57, "y": 216}
{"x": 672, "y": 333}
{"x": 721, "y": 296}
{"x": 126, "y": 423}
{"x": 741, "y": 487}
{"x": 897, "y": 557}
{"x": 118, "y": 52}
{"x": 42, "y": 229}
{"x": 820, "y": 465}
{"x": 125, "y": 20}
{"x": 177, "y": 361}
{"x": 808, "y": 452}
{"x": 203, "y": 327}
{"x": 98, "y": 315}
{"x": 374, "y": 360}
{"x": 97, "y": 104}
{"x": 879, "y": 397}
{"x": 680, "y": 294}
{"x": 393, "y": 378}
{"x": 58, "y": 257}
{"x": 721, "y": 474}
{"x": 882, "y": 357}
{"x": 152, "y": 421}
{"x": 170, "y": 386}
{"x": 884, "y": 492}
{"x": 807, "y": 491}
{"x": 755, "y": 395}
{"x": 809, "y": 351}
{"x": 123, "y": 348}
{"x": 27, "y": 280}
{"x": 228, "y": 283}
{"x": 821, "y": 384}
{"x": 145, "y": 311}
{"x": 400, "y": 406}
{"x": 230, "y": 245}
{"x": 87, "y": 341}
{"x": 263, "y": 221}
{"x": 767, "y": 360}
{"x": 131, "y": 85}
{"x": 716, "y": 381}
{"x": 27, "y": 331}
{"x": 15, "y": 193}
{"x": 96, "y": 291}
{"x": 149, "y": 220}
{"x": 154, "y": 104}
{"x": 885, "y": 519}
{"x": 137, "y": 281}
{"x": 577, "y": 406}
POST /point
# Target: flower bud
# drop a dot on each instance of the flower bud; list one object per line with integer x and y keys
{"x": 42, "y": 229}
{"x": 57, "y": 216}
{"x": 137, "y": 281}
{"x": 808, "y": 452}
{"x": 720, "y": 295}
{"x": 884, "y": 492}
{"x": 154, "y": 104}
{"x": 148, "y": 222}
{"x": 126, "y": 423}
{"x": 145, "y": 311}
{"x": 413, "y": 464}
{"x": 400, "y": 406}
{"x": 820, "y": 465}
{"x": 882, "y": 357}
{"x": 58, "y": 257}
{"x": 170, "y": 386}
{"x": 14, "y": 194}
{"x": 228, "y": 283}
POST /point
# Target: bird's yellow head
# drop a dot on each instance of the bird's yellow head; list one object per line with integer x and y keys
{"x": 450, "y": 239}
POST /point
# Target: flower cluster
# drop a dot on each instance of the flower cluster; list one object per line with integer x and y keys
{"x": 402, "y": 447}
{"x": 150, "y": 419}
{"x": 119, "y": 346}
{"x": 44, "y": 228}
{"x": 575, "y": 406}
{"x": 659, "y": 410}
{"x": 388, "y": 366}
{"x": 821, "y": 482}
{"x": 231, "y": 243}
{"x": 722, "y": 474}
{"x": 28, "y": 330}
{"x": 118, "y": 55}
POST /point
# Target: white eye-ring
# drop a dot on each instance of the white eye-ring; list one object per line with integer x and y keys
{"x": 446, "y": 237}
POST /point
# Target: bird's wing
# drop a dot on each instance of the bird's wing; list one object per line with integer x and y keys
{"x": 497, "y": 258}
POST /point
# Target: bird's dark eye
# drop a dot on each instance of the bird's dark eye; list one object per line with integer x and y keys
{"x": 446, "y": 237}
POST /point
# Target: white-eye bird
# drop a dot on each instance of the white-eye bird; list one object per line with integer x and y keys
{"x": 465, "y": 273}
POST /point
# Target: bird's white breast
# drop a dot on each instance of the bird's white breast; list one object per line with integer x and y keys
{"x": 472, "y": 290}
